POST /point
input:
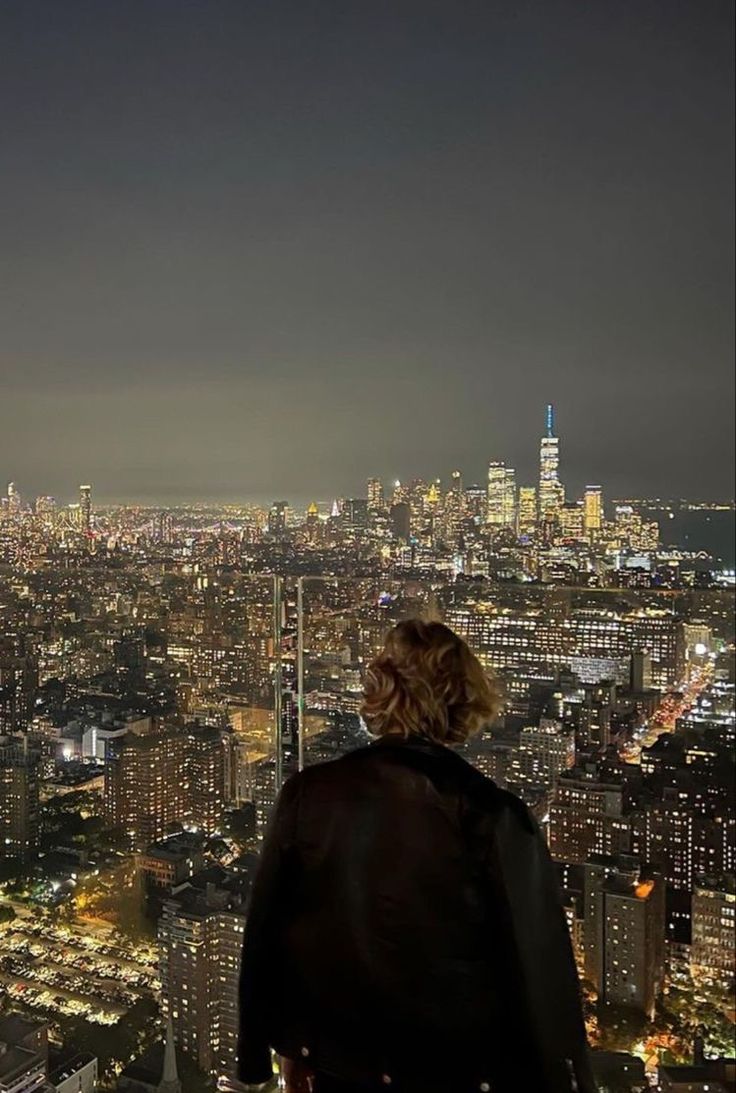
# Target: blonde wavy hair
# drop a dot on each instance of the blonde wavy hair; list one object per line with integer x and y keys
{"x": 426, "y": 681}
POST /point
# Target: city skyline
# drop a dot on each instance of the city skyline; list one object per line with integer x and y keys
{"x": 548, "y": 438}
{"x": 367, "y": 369}
{"x": 291, "y": 245}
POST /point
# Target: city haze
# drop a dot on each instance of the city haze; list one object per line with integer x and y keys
{"x": 257, "y": 251}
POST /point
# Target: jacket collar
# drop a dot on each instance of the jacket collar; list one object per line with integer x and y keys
{"x": 415, "y": 741}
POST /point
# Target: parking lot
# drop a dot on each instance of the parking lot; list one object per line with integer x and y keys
{"x": 74, "y": 970}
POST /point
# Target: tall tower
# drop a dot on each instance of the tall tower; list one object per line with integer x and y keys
{"x": 20, "y": 777}
{"x": 551, "y": 490}
{"x": 526, "y": 521}
{"x": 200, "y": 936}
{"x": 85, "y": 508}
{"x": 277, "y": 519}
{"x": 501, "y": 495}
{"x": 628, "y": 957}
{"x": 376, "y": 502}
{"x": 14, "y": 500}
{"x": 593, "y": 506}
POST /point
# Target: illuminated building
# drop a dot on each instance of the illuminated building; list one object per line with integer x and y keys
{"x": 376, "y": 501}
{"x": 634, "y": 533}
{"x": 265, "y": 792}
{"x": 312, "y": 523}
{"x": 501, "y": 500}
{"x": 18, "y": 684}
{"x": 455, "y": 511}
{"x": 355, "y": 515}
{"x": 542, "y": 754}
{"x": 685, "y": 839}
{"x": 277, "y": 519}
{"x": 85, "y": 508}
{"x": 46, "y": 510}
{"x": 399, "y": 493}
{"x": 160, "y": 777}
{"x": 477, "y": 501}
{"x": 163, "y": 527}
{"x": 14, "y": 502}
{"x": 146, "y": 786}
{"x": 432, "y": 498}
{"x": 526, "y": 521}
{"x": 20, "y": 768}
{"x": 587, "y": 817}
{"x": 491, "y": 757}
{"x": 598, "y": 869}
{"x": 593, "y": 510}
{"x": 207, "y": 775}
{"x": 200, "y": 935}
{"x": 571, "y": 522}
{"x": 289, "y": 741}
{"x": 713, "y": 950}
{"x": 598, "y": 634}
{"x": 624, "y": 944}
{"x": 600, "y": 639}
{"x": 551, "y": 491}
{"x": 171, "y": 861}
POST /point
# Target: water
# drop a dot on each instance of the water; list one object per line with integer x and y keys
{"x": 713, "y": 532}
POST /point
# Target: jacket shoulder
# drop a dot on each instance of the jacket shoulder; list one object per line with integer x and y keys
{"x": 486, "y": 797}
{"x": 479, "y": 792}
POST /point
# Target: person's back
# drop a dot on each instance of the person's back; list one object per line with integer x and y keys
{"x": 404, "y": 905}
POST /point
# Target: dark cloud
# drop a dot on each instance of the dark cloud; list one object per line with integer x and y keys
{"x": 269, "y": 248}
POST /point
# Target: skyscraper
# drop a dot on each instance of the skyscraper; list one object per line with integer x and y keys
{"x": 455, "y": 510}
{"x": 593, "y": 510}
{"x": 526, "y": 523}
{"x": 159, "y": 777}
{"x": 572, "y": 521}
{"x": 542, "y": 754}
{"x": 277, "y": 518}
{"x": 20, "y": 766}
{"x": 628, "y": 954}
{"x": 551, "y": 490}
{"x": 208, "y": 763}
{"x": 586, "y": 817}
{"x": 401, "y": 521}
{"x": 85, "y": 508}
{"x": 14, "y": 501}
{"x": 146, "y": 787}
{"x": 18, "y": 684}
{"x": 376, "y": 501}
{"x": 311, "y": 524}
{"x": 713, "y": 951}
{"x": 200, "y": 936}
{"x": 355, "y": 515}
{"x": 501, "y": 510}
{"x": 46, "y": 510}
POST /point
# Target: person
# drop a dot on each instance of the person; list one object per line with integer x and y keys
{"x": 405, "y": 931}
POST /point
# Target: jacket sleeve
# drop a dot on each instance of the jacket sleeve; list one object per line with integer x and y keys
{"x": 258, "y": 975}
{"x": 524, "y": 881}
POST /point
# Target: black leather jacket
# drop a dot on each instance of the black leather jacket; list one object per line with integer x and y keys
{"x": 405, "y": 931}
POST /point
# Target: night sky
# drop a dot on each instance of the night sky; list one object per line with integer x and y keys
{"x": 265, "y": 249}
